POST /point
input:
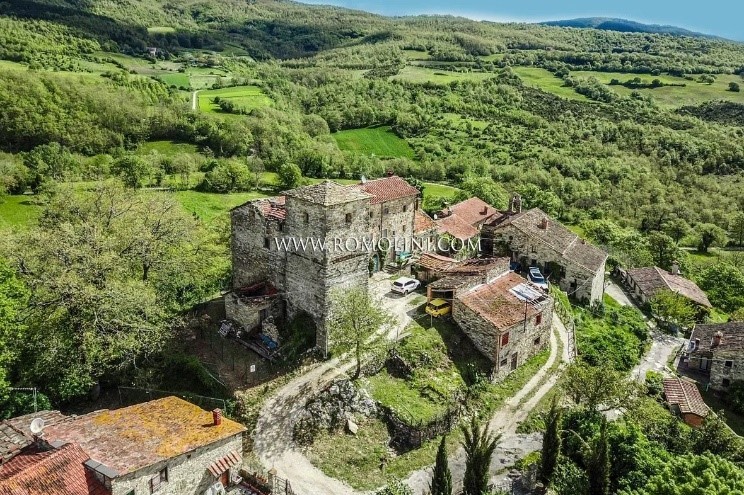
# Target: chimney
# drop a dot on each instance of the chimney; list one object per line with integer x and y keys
{"x": 716, "y": 339}
{"x": 389, "y": 173}
{"x": 675, "y": 268}
{"x": 217, "y": 417}
{"x": 544, "y": 223}
{"x": 516, "y": 204}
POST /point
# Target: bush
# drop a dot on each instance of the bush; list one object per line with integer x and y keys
{"x": 227, "y": 177}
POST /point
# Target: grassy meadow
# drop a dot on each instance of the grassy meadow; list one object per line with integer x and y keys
{"x": 545, "y": 80}
{"x": 421, "y": 75}
{"x": 379, "y": 141}
{"x": 248, "y": 97}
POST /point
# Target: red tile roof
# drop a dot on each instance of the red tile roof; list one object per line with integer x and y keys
{"x": 474, "y": 211}
{"x": 15, "y": 434}
{"x": 497, "y": 304}
{"x": 654, "y": 279}
{"x": 387, "y": 189}
{"x": 435, "y": 262}
{"x": 686, "y": 396}
{"x": 422, "y": 222}
{"x": 134, "y": 437}
{"x": 224, "y": 463}
{"x": 273, "y": 207}
{"x": 456, "y": 227}
{"x": 731, "y": 333}
{"x": 56, "y": 472}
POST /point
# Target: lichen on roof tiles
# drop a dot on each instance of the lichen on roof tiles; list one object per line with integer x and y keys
{"x": 327, "y": 193}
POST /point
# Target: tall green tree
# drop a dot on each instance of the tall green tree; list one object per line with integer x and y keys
{"x": 708, "y": 235}
{"x": 357, "y": 323}
{"x": 551, "y": 447}
{"x": 597, "y": 388}
{"x": 736, "y": 228}
{"x": 663, "y": 249}
{"x": 441, "y": 482}
{"x": 13, "y": 299}
{"x": 670, "y": 307}
{"x": 479, "y": 444}
{"x": 132, "y": 169}
{"x": 598, "y": 463}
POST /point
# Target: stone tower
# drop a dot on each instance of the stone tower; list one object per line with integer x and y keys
{"x": 330, "y": 214}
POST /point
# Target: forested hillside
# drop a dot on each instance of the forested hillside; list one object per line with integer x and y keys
{"x": 635, "y": 139}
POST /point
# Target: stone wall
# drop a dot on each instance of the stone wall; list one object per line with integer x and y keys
{"x": 720, "y": 372}
{"x": 187, "y": 473}
{"x": 525, "y": 339}
{"x": 393, "y": 219}
{"x": 248, "y": 314}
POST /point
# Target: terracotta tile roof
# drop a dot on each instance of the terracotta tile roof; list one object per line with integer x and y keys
{"x": 436, "y": 262}
{"x": 327, "y": 193}
{"x": 224, "y": 463}
{"x": 685, "y": 395}
{"x": 451, "y": 282}
{"x": 387, "y": 189}
{"x": 497, "y": 304}
{"x": 731, "y": 340}
{"x": 654, "y": 279}
{"x": 23, "y": 423}
{"x": 476, "y": 266}
{"x": 11, "y": 441}
{"x": 456, "y": 227}
{"x": 474, "y": 211}
{"x": 555, "y": 237}
{"x": 422, "y": 222}
{"x": 57, "y": 472}
{"x": 134, "y": 437}
{"x": 273, "y": 207}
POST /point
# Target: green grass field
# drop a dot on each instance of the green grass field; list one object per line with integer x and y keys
{"x": 167, "y": 147}
{"x": 209, "y": 206}
{"x": 422, "y": 75}
{"x": 546, "y": 81}
{"x": 694, "y": 93}
{"x": 379, "y": 141}
{"x": 178, "y": 79}
{"x": 244, "y": 96}
{"x": 160, "y": 29}
{"x": 17, "y": 211}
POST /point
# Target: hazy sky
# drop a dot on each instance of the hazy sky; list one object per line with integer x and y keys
{"x": 719, "y": 17}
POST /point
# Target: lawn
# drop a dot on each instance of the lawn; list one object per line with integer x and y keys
{"x": 422, "y": 75}
{"x": 546, "y": 81}
{"x": 247, "y": 97}
{"x": 379, "y": 141}
{"x": 178, "y": 79}
{"x": 209, "y": 206}
{"x": 694, "y": 93}
{"x": 168, "y": 148}
{"x": 17, "y": 211}
{"x": 160, "y": 29}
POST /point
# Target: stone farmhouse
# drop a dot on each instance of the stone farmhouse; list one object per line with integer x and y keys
{"x": 717, "y": 351}
{"x": 684, "y": 400}
{"x": 463, "y": 221}
{"x": 645, "y": 283}
{"x": 531, "y": 238}
{"x": 281, "y": 282}
{"x": 507, "y": 319}
{"x": 166, "y": 446}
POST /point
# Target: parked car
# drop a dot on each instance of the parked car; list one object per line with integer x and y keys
{"x": 438, "y": 307}
{"x": 405, "y": 285}
{"x": 536, "y": 277}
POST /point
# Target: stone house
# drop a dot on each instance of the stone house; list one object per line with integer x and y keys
{"x": 717, "y": 351}
{"x": 645, "y": 283}
{"x": 291, "y": 252}
{"x": 684, "y": 400}
{"x": 166, "y": 446}
{"x": 507, "y": 319}
{"x": 450, "y": 277}
{"x": 531, "y": 238}
{"x": 463, "y": 221}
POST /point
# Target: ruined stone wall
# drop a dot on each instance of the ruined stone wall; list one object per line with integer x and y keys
{"x": 250, "y": 260}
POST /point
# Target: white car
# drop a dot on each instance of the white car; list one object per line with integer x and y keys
{"x": 405, "y": 285}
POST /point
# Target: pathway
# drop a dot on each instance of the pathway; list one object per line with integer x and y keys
{"x": 195, "y": 100}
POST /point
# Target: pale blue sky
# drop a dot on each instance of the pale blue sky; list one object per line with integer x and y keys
{"x": 719, "y": 17}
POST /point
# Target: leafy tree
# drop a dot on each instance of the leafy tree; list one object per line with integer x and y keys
{"x": 356, "y": 323}
{"x": 677, "y": 229}
{"x": 132, "y": 169}
{"x": 228, "y": 176}
{"x": 290, "y": 176}
{"x": 663, "y": 249}
{"x": 479, "y": 444}
{"x": 536, "y": 197}
{"x": 13, "y": 298}
{"x": 109, "y": 271}
{"x": 690, "y": 474}
{"x": 736, "y": 227}
{"x": 551, "y": 447}
{"x": 733, "y": 86}
{"x": 257, "y": 168}
{"x": 597, "y": 388}
{"x": 708, "y": 235}
{"x": 484, "y": 188}
{"x": 716, "y": 437}
{"x": 723, "y": 282}
{"x": 670, "y": 307}
{"x": 441, "y": 482}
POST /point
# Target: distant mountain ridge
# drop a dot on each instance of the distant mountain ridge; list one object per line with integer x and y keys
{"x": 625, "y": 26}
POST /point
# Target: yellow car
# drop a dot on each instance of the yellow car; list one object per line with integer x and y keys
{"x": 438, "y": 307}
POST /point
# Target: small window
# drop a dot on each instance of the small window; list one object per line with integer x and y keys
{"x": 306, "y": 218}
{"x": 505, "y": 339}
{"x": 405, "y": 229}
{"x": 281, "y": 226}
{"x": 511, "y": 237}
{"x": 504, "y": 362}
{"x": 538, "y": 319}
{"x": 130, "y": 492}
{"x": 267, "y": 244}
{"x": 371, "y": 214}
{"x": 726, "y": 382}
{"x": 537, "y": 341}
{"x": 405, "y": 208}
{"x": 729, "y": 364}
{"x": 386, "y": 210}
{"x": 156, "y": 482}
{"x": 348, "y": 218}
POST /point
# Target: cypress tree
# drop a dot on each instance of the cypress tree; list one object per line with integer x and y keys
{"x": 551, "y": 447}
{"x": 479, "y": 444}
{"x": 598, "y": 467}
{"x": 441, "y": 482}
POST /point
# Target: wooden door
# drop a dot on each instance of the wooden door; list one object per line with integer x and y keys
{"x": 514, "y": 361}
{"x": 225, "y": 478}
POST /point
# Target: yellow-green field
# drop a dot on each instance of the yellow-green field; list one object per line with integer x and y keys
{"x": 422, "y": 75}
{"x": 243, "y": 96}
{"x": 546, "y": 81}
{"x": 694, "y": 93}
